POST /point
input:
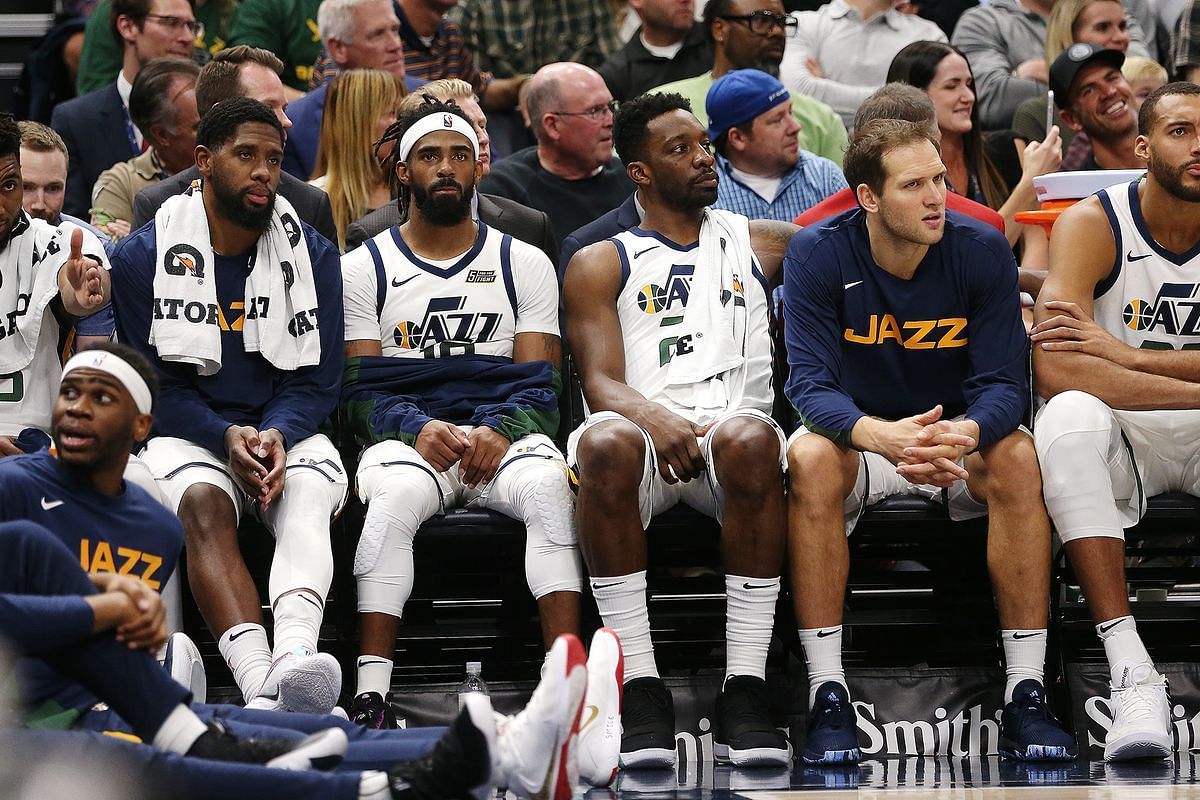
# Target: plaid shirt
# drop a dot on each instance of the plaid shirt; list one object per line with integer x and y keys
{"x": 809, "y": 182}
{"x": 517, "y": 37}
{"x": 447, "y": 56}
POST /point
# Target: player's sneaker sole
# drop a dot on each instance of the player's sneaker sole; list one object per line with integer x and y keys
{"x": 752, "y": 757}
{"x": 600, "y": 725}
{"x": 311, "y": 684}
{"x": 323, "y": 750}
{"x": 1138, "y": 744}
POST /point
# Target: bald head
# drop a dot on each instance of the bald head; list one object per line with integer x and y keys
{"x": 553, "y": 88}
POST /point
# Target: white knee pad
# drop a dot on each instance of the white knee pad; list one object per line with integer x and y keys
{"x": 536, "y": 491}
{"x": 400, "y": 500}
{"x": 1079, "y": 447}
{"x": 300, "y": 522}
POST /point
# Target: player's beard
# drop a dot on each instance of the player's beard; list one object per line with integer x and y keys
{"x": 232, "y": 203}
{"x": 1170, "y": 178}
{"x": 443, "y": 210}
{"x": 105, "y": 450}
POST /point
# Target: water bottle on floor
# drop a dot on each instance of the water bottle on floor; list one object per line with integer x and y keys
{"x": 473, "y": 684}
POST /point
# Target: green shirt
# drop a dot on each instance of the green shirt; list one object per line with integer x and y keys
{"x": 822, "y": 131}
{"x": 288, "y": 28}
{"x": 101, "y": 58}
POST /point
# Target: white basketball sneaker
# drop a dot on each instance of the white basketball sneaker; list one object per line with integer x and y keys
{"x": 537, "y": 747}
{"x": 301, "y": 681}
{"x": 1141, "y": 709}
{"x": 182, "y": 660}
{"x": 600, "y": 726}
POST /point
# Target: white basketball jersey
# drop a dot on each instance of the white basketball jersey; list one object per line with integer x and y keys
{"x": 27, "y": 397}
{"x": 1151, "y": 299}
{"x": 656, "y": 281}
{"x": 471, "y": 305}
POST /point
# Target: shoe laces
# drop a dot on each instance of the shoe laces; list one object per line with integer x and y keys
{"x": 641, "y": 701}
{"x": 1140, "y": 701}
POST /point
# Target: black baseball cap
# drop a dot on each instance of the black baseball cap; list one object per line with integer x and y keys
{"x": 1074, "y": 58}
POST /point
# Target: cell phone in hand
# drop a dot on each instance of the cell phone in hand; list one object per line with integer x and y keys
{"x": 1049, "y": 111}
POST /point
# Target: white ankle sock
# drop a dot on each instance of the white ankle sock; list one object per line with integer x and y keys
{"x": 244, "y": 648}
{"x": 373, "y": 785}
{"x": 1123, "y": 648}
{"x": 297, "y": 622}
{"x": 749, "y": 615}
{"x": 374, "y": 675}
{"x": 823, "y": 656}
{"x": 179, "y": 731}
{"x": 1024, "y": 657}
{"x": 621, "y": 600}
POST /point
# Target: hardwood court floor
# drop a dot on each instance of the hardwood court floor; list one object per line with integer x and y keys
{"x": 920, "y": 779}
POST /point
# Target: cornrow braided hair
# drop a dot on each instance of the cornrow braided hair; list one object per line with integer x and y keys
{"x": 393, "y": 135}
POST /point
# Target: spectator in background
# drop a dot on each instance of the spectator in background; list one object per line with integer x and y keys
{"x": 100, "y": 59}
{"x": 163, "y": 105}
{"x": 942, "y": 72}
{"x": 668, "y": 46}
{"x": 43, "y": 159}
{"x": 44, "y": 175}
{"x": 358, "y": 110}
{"x": 843, "y": 49}
{"x": 570, "y": 173}
{"x": 1185, "y": 44}
{"x": 1094, "y": 98}
{"x": 96, "y": 127}
{"x": 507, "y": 216}
{"x": 1144, "y": 76}
{"x": 359, "y": 34}
{"x": 287, "y": 28}
{"x": 516, "y": 38}
{"x": 749, "y": 34}
{"x": 1005, "y": 42}
{"x": 1098, "y": 22}
{"x": 763, "y": 172}
{"x": 242, "y": 71}
{"x": 434, "y": 49}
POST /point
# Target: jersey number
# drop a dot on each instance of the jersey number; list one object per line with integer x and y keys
{"x": 12, "y": 388}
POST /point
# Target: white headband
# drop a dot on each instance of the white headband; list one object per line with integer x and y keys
{"x": 437, "y": 122}
{"x": 119, "y": 368}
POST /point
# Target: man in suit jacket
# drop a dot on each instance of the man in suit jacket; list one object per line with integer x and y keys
{"x": 622, "y": 218}
{"x": 507, "y": 216}
{"x": 96, "y": 127}
{"x": 252, "y": 72}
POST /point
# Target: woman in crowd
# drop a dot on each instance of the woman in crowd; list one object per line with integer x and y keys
{"x": 360, "y": 106}
{"x": 943, "y": 73}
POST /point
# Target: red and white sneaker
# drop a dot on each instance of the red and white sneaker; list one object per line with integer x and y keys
{"x": 536, "y": 747}
{"x": 600, "y": 727}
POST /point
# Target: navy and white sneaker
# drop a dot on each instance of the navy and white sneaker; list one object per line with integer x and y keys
{"x": 832, "y": 728}
{"x": 1029, "y": 731}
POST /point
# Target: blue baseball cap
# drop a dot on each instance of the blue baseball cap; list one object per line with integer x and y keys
{"x": 740, "y": 96}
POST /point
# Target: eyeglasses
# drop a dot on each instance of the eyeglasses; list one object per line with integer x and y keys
{"x": 176, "y": 23}
{"x": 762, "y": 23}
{"x": 594, "y": 113}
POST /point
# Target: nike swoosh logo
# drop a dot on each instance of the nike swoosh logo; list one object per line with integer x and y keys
{"x": 1108, "y": 627}
{"x": 606, "y": 585}
{"x": 851, "y": 285}
{"x": 1025, "y": 636}
{"x": 363, "y": 662}
{"x": 647, "y": 250}
{"x": 757, "y": 585}
{"x": 594, "y": 711}
{"x": 397, "y": 283}
{"x": 1131, "y": 257}
{"x": 823, "y": 634}
{"x": 239, "y": 635}
{"x": 47, "y": 505}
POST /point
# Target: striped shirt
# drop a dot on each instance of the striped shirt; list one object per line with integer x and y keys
{"x": 809, "y": 182}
